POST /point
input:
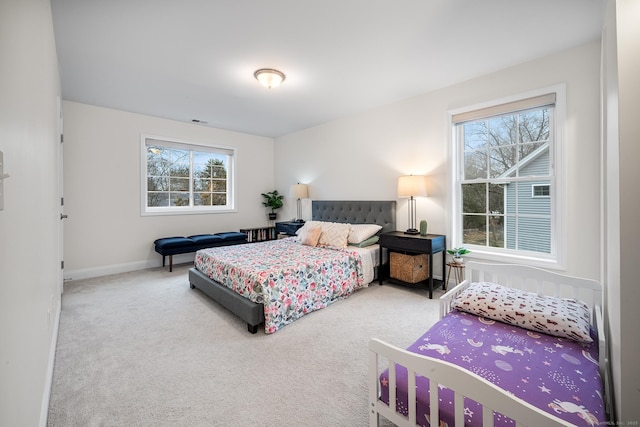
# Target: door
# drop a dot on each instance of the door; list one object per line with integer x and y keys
{"x": 61, "y": 192}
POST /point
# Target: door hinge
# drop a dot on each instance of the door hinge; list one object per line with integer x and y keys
{"x": 61, "y": 138}
{"x": 61, "y": 265}
{"x": 61, "y": 201}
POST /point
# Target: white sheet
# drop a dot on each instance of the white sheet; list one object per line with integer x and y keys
{"x": 370, "y": 259}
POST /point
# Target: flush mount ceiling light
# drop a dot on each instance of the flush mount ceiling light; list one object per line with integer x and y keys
{"x": 269, "y": 77}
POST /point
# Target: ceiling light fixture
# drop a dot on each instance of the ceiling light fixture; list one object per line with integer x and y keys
{"x": 269, "y": 77}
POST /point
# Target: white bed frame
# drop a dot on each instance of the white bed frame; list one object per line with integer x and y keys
{"x": 465, "y": 383}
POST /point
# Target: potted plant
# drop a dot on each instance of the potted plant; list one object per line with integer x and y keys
{"x": 457, "y": 254}
{"x": 272, "y": 200}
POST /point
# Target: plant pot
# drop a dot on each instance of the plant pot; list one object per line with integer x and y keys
{"x": 458, "y": 260}
{"x": 272, "y": 215}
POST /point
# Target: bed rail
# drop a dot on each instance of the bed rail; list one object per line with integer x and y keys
{"x": 441, "y": 373}
{"x": 448, "y": 297}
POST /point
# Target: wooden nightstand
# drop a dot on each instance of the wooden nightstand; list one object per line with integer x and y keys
{"x": 414, "y": 244}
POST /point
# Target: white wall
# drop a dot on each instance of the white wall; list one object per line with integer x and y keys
{"x": 360, "y": 157}
{"x": 622, "y": 201}
{"x": 105, "y": 232}
{"x": 628, "y": 36}
{"x": 30, "y": 279}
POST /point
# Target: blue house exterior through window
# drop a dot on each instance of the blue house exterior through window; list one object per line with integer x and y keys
{"x": 528, "y": 225}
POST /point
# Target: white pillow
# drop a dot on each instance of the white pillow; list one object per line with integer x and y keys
{"x": 361, "y": 232}
{"x": 334, "y": 235}
{"x": 561, "y": 317}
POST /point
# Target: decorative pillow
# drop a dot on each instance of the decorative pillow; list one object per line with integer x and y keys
{"x": 302, "y": 231}
{"x": 307, "y": 226}
{"x": 361, "y": 232}
{"x": 370, "y": 241}
{"x": 334, "y": 235}
{"x": 310, "y": 237}
{"x": 561, "y": 317}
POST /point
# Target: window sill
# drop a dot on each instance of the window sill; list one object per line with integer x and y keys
{"x": 548, "y": 263}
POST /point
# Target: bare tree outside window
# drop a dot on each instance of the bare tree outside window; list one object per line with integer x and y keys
{"x": 501, "y": 153}
{"x": 186, "y": 177}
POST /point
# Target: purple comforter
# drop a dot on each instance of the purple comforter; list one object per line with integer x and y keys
{"x": 558, "y": 375}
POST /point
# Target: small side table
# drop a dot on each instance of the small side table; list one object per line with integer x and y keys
{"x": 458, "y": 271}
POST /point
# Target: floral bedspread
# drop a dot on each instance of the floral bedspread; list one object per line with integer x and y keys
{"x": 557, "y": 375}
{"x": 289, "y": 278}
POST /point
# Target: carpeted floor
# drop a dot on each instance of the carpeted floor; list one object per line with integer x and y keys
{"x": 143, "y": 349}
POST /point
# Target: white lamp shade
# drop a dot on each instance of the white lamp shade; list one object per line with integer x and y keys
{"x": 412, "y": 186}
{"x": 300, "y": 191}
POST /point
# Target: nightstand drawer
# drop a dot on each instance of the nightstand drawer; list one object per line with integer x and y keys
{"x": 430, "y": 244}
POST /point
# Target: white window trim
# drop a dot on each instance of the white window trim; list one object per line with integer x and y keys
{"x": 557, "y": 258}
{"x": 186, "y": 210}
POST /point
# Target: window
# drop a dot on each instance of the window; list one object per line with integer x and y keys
{"x": 540, "y": 190}
{"x": 180, "y": 177}
{"x": 506, "y": 180}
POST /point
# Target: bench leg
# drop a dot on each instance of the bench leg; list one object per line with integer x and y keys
{"x": 163, "y": 257}
{"x": 170, "y": 263}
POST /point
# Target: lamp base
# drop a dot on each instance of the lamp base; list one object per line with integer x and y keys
{"x": 412, "y": 231}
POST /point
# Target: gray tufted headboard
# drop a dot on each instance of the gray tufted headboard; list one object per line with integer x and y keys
{"x": 382, "y": 212}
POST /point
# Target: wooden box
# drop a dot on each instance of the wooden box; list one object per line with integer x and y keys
{"x": 409, "y": 268}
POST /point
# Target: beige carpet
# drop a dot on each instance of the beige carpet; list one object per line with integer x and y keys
{"x": 143, "y": 349}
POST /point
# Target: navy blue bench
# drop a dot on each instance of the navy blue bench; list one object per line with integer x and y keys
{"x": 170, "y": 246}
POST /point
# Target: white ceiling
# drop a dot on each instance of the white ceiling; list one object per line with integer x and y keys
{"x": 194, "y": 59}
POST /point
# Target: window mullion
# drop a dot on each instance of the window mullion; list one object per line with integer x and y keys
{"x": 516, "y": 213}
{"x": 191, "y": 195}
{"x": 487, "y": 215}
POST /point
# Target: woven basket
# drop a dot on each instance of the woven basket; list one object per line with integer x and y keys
{"x": 409, "y": 268}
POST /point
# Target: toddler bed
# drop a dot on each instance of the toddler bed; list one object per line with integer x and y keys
{"x": 500, "y": 355}
{"x": 277, "y": 282}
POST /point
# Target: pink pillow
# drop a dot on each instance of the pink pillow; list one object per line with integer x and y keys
{"x": 310, "y": 237}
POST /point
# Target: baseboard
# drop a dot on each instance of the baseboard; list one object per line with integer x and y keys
{"x": 46, "y": 395}
{"x": 106, "y": 270}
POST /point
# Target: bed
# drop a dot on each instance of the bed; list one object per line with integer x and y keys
{"x": 499, "y": 355}
{"x": 276, "y": 282}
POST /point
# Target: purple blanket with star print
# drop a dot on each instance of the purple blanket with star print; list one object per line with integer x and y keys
{"x": 557, "y": 375}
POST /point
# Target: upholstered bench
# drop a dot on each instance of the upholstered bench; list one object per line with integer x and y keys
{"x": 170, "y": 246}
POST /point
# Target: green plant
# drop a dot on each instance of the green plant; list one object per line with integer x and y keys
{"x": 273, "y": 200}
{"x": 458, "y": 252}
